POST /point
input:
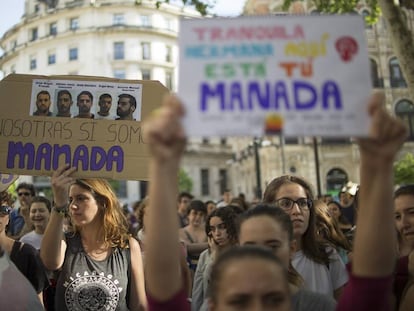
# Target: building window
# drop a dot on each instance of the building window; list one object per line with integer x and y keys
{"x": 51, "y": 58}
{"x": 146, "y": 50}
{"x": 168, "y": 53}
{"x": 169, "y": 80}
{"x": 146, "y": 74}
{"x": 223, "y": 141}
{"x": 33, "y": 34}
{"x": 74, "y": 23}
{"x": 119, "y": 51}
{"x": 169, "y": 24}
{"x": 376, "y": 81}
{"x": 118, "y": 19}
{"x": 73, "y": 54}
{"x": 396, "y": 76}
{"x": 223, "y": 180}
{"x": 205, "y": 182}
{"x": 205, "y": 141}
{"x": 36, "y": 8}
{"x": 53, "y": 29}
{"x": 33, "y": 63}
{"x": 145, "y": 21}
{"x": 404, "y": 109}
{"x": 119, "y": 73}
{"x": 335, "y": 180}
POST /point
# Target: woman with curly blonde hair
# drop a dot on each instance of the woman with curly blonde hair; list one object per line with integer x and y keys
{"x": 101, "y": 264}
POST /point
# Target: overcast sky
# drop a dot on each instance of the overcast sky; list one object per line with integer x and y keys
{"x": 12, "y": 10}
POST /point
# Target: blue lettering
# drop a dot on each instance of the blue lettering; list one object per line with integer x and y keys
{"x": 256, "y": 96}
{"x": 302, "y": 91}
{"x": 81, "y": 154}
{"x": 236, "y": 96}
{"x": 58, "y": 151}
{"x": 331, "y": 94}
{"x": 24, "y": 153}
{"x": 43, "y": 153}
{"x": 116, "y": 155}
{"x": 207, "y": 92}
{"x": 98, "y": 158}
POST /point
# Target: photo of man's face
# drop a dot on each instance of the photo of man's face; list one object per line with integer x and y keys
{"x": 84, "y": 103}
{"x": 64, "y": 103}
{"x": 105, "y": 104}
{"x": 43, "y": 103}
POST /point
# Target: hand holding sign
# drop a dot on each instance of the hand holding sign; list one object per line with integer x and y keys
{"x": 61, "y": 181}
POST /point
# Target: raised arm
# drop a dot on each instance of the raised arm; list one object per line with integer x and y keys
{"x": 52, "y": 250}
{"x": 375, "y": 239}
{"x": 166, "y": 140}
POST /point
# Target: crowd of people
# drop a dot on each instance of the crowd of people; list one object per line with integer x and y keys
{"x": 81, "y": 250}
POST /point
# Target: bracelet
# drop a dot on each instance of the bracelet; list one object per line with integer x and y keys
{"x": 62, "y": 210}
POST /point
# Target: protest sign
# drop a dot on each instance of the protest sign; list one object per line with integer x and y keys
{"x": 50, "y": 120}
{"x": 6, "y": 180}
{"x": 256, "y": 75}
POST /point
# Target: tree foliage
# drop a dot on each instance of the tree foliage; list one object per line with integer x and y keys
{"x": 404, "y": 170}
{"x": 185, "y": 183}
{"x": 202, "y": 6}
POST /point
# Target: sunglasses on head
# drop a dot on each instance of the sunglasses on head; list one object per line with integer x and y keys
{"x": 26, "y": 194}
{"x": 5, "y": 210}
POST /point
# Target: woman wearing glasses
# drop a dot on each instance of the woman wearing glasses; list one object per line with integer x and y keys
{"x": 319, "y": 265}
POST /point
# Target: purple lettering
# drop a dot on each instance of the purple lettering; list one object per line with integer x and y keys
{"x": 24, "y": 153}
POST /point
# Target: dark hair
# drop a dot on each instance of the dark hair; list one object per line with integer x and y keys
{"x": 41, "y": 199}
{"x": 237, "y": 253}
{"x": 131, "y": 98}
{"x": 85, "y": 93}
{"x": 283, "y": 219}
{"x": 342, "y": 219}
{"x": 185, "y": 194}
{"x": 197, "y": 206}
{"x": 311, "y": 246}
{"x": 25, "y": 185}
{"x": 63, "y": 92}
{"x": 228, "y": 216}
{"x": 6, "y": 198}
{"x": 43, "y": 93}
{"x": 209, "y": 201}
{"x": 404, "y": 190}
{"x": 105, "y": 95}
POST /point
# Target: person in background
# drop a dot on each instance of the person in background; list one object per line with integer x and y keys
{"x": 222, "y": 234}
{"x": 319, "y": 264}
{"x": 226, "y": 197}
{"x": 404, "y": 222}
{"x": 194, "y": 234}
{"x": 64, "y": 104}
{"x": 24, "y": 256}
{"x": 84, "y": 102}
{"x": 329, "y": 231}
{"x": 335, "y": 209}
{"x": 105, "y": 104}
{"x": 184, "y": 199}
{"x": 19, "y": 218}
{"x": 43, "y": 104}
{"x": 211, "y": 206}
{"x": 348, "y": 201}
{"x": 99, "y": 257}
{"x": 271, "y": 227}
{"x": 40, "y": 209}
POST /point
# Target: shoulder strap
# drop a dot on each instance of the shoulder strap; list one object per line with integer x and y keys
{"x": 188, "y": 236}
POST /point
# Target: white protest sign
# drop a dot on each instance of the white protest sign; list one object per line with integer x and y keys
{"x": 304, "y": 75}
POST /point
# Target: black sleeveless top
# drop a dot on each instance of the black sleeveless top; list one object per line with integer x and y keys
{"x": 88, "y": 284}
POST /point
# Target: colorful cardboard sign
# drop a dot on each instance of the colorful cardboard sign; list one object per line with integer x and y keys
{"x": 256, "y": 75}
{"x": 35, "y": 139}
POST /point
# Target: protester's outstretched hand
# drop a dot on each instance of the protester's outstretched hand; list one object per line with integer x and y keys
{"x": 163, "y": 131}
{"x": 61, "y": 180}
{"x": 387, "y": 133}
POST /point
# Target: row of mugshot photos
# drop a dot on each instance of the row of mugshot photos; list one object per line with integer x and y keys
{"x": 122, "y": 106}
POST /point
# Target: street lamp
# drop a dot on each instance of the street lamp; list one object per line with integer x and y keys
{"x": 256, "y": 143}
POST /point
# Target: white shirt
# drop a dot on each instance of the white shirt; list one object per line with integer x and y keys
{"x": 318, "y": 277}
{"x": 32, "y": 238}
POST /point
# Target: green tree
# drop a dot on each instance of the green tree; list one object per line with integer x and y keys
{"x": 185, "y": 183}
{"x": 392, "y": 11}
{"x": 202, "y": 6}
{"x": 404, "y": 170}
